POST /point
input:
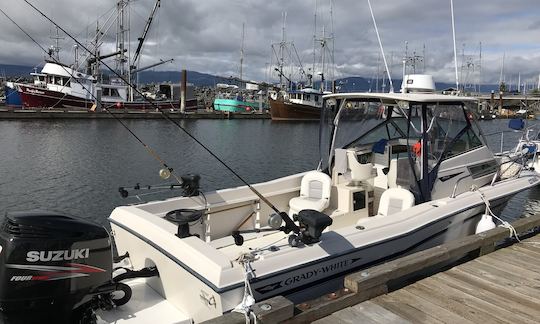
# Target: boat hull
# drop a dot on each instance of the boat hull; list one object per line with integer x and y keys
{"x": 13, "y": 99}
{"x": 299, "y": 273}
{"x": 233, "y": 105}
{"x": 34, "y": 97}
{"x": 285, "y": 110}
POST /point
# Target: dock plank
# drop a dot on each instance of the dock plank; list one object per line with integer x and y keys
{"x": 529, "y": 246}
{"x": 417, "y": 309}
{"x": 515, "y": 258}
{"x": 378, "y": 313}
{"x": 452, "y": 300}
{"x": 471, "y": 301}
{"x": 350, "y": 316}
{"x": 481, "y": 282}
{"x": 522, "y": 312}
{"x": 521, "y": 273}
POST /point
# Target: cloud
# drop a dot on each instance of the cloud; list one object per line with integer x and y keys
{"x": 206, "y": 35}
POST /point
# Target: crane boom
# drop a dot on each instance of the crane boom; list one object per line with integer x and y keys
{"x": 143, "y": 36}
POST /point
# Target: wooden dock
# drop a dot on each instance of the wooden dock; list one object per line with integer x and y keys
{"x": 495, "y": 285}
{"x": 6, "y": 113}
{"x": 501, "y": 287}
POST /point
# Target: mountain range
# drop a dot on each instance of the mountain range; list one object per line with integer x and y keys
{"x": 348, "y": 84}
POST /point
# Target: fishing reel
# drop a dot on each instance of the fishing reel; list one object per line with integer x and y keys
{"x": 190, "y": 186}
{"x": 311, "y": 224}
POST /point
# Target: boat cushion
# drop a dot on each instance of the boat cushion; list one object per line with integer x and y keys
{"x": 395, "y": 200}
{"x": 314, "y": 193}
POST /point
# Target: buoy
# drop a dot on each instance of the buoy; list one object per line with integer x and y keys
{"x": 118, "y": 105}
{"x": 248, "y": 108}
{"x": 485, "y": 224}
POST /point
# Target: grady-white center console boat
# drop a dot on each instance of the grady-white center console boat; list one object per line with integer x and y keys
{"x": 399, "y": 172}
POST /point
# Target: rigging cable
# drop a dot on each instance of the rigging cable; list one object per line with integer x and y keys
{"x": 290, "y": 225}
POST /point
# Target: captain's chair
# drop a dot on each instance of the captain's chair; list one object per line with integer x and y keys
{"x": 394, "y": 200}
{"x": 359, "y": 172}
{"x": 314, "y": 193}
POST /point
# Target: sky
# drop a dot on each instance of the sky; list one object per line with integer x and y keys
{"x": 206, "y": 35}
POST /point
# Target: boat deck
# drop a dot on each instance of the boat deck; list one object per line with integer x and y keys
{"x": 500, "y": 287}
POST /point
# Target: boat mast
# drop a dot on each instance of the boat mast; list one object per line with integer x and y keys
{"x": 323, "y": 52}
{"x": 480, "y": 70}
{"x": 332, "y": 37}
{"x": 54, "y": 51}
{"x": 121, "y": 37}
{"x": 381, "y": 46}
{"x": 314, "y": 43}
{"x": 242, "y": 52}
{"x": 282, "y": 46}
{"x": 455, "y": 49}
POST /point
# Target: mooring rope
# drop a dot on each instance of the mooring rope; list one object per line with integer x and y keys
{"x": 245, "y": 307}
{"x": 505, "y": 224}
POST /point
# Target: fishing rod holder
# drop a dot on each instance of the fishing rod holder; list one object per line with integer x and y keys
{"x": 190, "y": 186}
{"x": 311, "y": 225}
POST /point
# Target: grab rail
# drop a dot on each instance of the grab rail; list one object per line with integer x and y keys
{"x": 456, "y": 185}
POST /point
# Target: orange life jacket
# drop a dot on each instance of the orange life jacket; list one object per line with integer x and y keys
{"x": 417, "y": 148}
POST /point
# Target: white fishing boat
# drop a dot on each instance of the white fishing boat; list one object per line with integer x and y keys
{"x": 399, "y": 172}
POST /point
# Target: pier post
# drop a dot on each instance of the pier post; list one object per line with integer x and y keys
{"x": 183, "y": 90}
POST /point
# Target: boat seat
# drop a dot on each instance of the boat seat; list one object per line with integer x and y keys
{"x": 359, "y": 172}
{"x": 394, "y": 200}
{"x": 314, "y": 193}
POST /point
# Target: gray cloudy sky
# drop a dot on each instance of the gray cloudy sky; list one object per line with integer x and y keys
{"x": 205, "y": 35}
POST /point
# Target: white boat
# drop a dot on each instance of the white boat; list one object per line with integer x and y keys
{"x": 378, "y": 209}
{"x": 399, "y": 172}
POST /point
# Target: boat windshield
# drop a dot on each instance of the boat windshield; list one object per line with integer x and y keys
{"x": 437, "y": 131}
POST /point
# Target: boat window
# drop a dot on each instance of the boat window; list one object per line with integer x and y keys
{"x": 316, "y": 98}
{"x": 50, "y": 79}
{"x": 41, "y": 78}
{"x": 466, "y": 142}
{"x": 106, "y": 92}
{"x": 356, "y": 118}
{"x": 114, "y": 93}
{"x": 67, "y": 82}
{"x": 308, "y": 97}
{"x": 58, "y": 80}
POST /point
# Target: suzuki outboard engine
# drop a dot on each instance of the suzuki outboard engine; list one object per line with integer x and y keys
{"x": 53, "y": 268}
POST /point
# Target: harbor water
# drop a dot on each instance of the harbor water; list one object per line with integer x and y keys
{"x": 76, "y": 166}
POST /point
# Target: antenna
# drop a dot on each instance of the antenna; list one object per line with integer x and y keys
{"x": 454, "y": 37}
{"x": 382, "y": 50}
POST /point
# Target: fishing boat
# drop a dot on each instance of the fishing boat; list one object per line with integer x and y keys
{"x": 231, "y": 98}
{"x": 398, "y": 173}
{"x": 396, "y": 176}
{"x": 235, "y": 105}
{"x": 61, "y": 86}
{"x": 300, "y": 105}
{"x": 13, "y": 99}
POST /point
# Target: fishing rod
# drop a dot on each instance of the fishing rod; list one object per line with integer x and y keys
{"x": 289, "y": 223}
{"x": 153, "y": 153}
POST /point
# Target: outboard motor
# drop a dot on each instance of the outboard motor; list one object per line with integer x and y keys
{"x": 53, "y": 268}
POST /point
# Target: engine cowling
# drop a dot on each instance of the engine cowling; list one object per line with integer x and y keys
{"x": 51, "y": 266}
